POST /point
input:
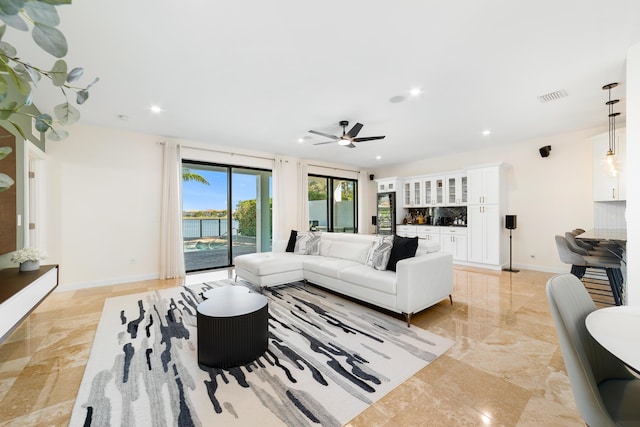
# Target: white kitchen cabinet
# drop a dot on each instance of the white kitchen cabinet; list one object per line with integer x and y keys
{"x": 485, "y": 212}
{"x": 406, "y": 230}
{"x": 454, "y": 241}
{"x": 456, "y": 189}
{"x": 484, "y": 234}
{"x": 484, "y": 185}
{"x": 428, "y": 233}
{"x": 413, "y": 193}
{"x": 386, "y": 185}
{"x": 607, "y": 187}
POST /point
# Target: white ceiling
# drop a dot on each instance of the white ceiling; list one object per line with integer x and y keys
{"x": 260, "y": 74}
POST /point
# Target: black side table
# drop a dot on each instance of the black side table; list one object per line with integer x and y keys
{"x": 233, "y": 327}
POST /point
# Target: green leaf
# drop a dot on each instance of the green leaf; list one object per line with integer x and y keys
{"x": 4, "y": 152}
{"x": 56, "y": 2}
{"x": 75, "y": 74}
{"x": 34, "y": 74}
{"x": 5, "y": 182}
{"x": 43, "y": 122}
{"x": 66, "y": 113}
{"x": 4, "y": 86}
{"x": 2, "y": 30}
{"x": 96, "y": 80}
{"x": 57, "y": 135}
{"x": 82, "y": 96}
{"x": 14, "y": 21}
{"x": 21, "y": 83}
{"x": 42, "y": 12}
{"x": 7, "y": 49}
{"x": 7, "y": 110}
{"x": 11, "y": 7}
{"x": 59, "y": 72}
{"x": 50, "y": 39}
{"x": 19, "y": 129}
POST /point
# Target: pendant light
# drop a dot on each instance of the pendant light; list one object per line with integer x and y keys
{"x": 610, "y": 161}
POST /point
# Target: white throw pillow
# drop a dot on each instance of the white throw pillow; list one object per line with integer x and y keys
{"x": 379, "y": 253}
{"x": 307, "y": 243}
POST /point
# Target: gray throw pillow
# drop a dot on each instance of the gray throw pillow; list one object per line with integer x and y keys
{"x": 379, "y": 253}
{"x": 307, "y": 243}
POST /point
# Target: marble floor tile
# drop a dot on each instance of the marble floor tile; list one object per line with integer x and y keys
{"x": 505, "y": 369}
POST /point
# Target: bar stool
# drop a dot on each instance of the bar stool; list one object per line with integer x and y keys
{"x": 585, "y": 248}
{"x": 579, "y": 264}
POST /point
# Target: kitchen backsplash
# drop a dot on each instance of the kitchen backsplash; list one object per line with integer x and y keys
{"x": 454, "y": 215}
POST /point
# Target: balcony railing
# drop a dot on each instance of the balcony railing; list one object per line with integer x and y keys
{"x": 206, "y": 244}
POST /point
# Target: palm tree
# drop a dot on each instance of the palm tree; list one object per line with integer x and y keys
{"x": 187, "y": 175}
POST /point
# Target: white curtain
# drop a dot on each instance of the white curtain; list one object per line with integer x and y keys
{"x": 363, "y": 202}
{"x": 171, "y": 241}
{"x": 303, "y": 196}
{"x": 279, "y": 200}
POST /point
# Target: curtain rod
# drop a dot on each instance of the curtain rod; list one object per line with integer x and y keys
{"x": 335, "y": 169}
{"x": 222, "y": 152}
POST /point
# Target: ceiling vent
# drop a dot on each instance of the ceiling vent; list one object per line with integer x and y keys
{"x": 552, "y": 96}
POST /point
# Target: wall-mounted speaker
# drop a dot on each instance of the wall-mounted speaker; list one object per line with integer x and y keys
{"x": 374, "y": 220}
{"x": 371, "y": 177}
{"x": 510, "y": 222}
{"x": 544, "y": 151}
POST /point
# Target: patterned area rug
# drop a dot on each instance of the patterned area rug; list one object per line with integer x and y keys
{"x": 328, "y": 359}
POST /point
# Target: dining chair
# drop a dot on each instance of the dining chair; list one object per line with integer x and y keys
{"x": 580, "y": 262}
{"x": 605, "y": 391}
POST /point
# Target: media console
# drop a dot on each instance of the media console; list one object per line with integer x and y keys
{"x": 20, "y": 294}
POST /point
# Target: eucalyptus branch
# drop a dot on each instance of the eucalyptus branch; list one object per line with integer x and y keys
{"x": 43, "y": 18}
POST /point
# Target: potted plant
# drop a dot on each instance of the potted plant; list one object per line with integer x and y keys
{"x": 28, "y": 258}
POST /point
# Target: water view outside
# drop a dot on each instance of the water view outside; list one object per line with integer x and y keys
{"x": 210, "y": 193}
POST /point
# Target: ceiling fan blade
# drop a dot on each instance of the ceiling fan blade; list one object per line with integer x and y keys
{"x": 354, "y": 130}
{"x": 322, "y": 143}
{"x": 350, "y": 145}
{"x": 368, "y": 138}
{"x": 335, "y": 138}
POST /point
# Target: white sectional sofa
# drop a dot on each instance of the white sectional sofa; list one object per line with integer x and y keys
{"x": 418, "y": 282}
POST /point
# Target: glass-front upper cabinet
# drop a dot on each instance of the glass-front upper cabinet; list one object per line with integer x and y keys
{"x": 456, "y": 189}
{"x": 417, "y": 199}
{"x": 429, "y": 192}
{"x": 439, "y": 191}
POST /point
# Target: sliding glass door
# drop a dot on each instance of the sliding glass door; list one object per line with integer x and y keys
{"x": 226, "y": 212}
{"x": 332, "y": 204}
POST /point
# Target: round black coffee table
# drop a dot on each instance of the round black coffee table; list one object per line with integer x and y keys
{"x": 233, "y": 327}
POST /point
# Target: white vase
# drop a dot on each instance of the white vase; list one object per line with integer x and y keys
{"x": 29, "y": 266}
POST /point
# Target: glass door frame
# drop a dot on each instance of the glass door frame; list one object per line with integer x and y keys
{"x": 229, "y": 170}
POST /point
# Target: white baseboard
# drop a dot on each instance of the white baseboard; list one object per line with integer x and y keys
{"x": 557, "y": 270}
{"x": 105, "y": 282}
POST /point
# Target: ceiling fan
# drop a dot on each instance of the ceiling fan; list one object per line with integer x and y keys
{"x": 348, "y": 138}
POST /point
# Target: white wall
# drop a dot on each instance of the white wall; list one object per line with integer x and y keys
{"x": 633, "y": 174}
{"x": 104, "y": 206}
{"x": 104, "y": 188}
{"x": 549, "y": 195}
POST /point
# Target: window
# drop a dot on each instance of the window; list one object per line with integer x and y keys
{"x": 333, "y": 204}
{"x": 226, "y": 211}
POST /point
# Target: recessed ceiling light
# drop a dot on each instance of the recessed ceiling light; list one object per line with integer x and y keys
{"x": 486, "y": 132}
{"x": 156, "y": 109}
{"x": 300, "y": 140}
{"x": 415, "y": 91}
{"x": 378, "y": 157}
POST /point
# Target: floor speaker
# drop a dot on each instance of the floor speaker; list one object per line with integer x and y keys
{"x": 511, "y": 222}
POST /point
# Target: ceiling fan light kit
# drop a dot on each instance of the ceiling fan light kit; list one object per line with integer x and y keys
{"x": 348, "y": 138}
